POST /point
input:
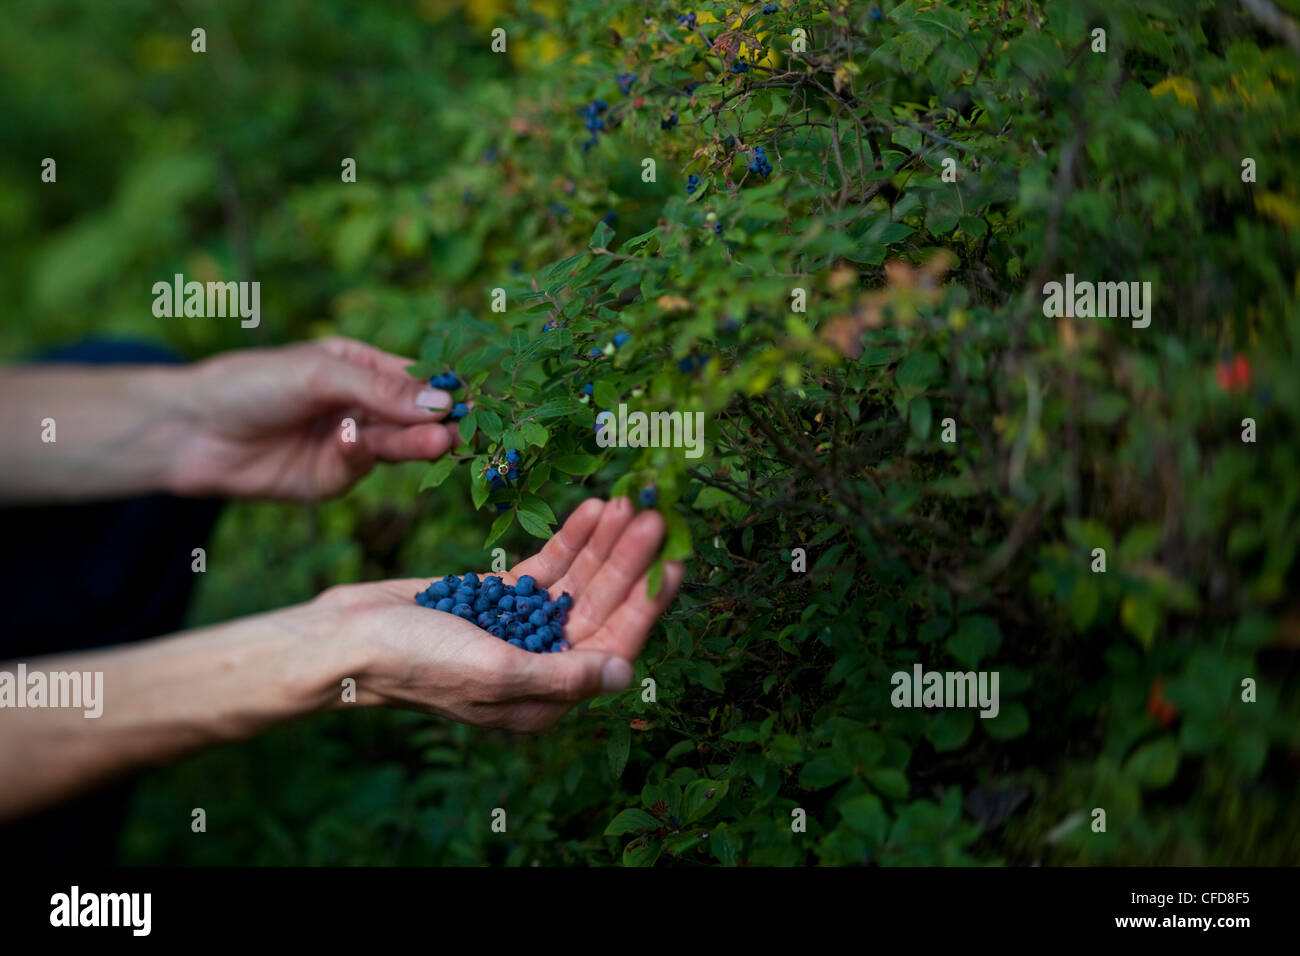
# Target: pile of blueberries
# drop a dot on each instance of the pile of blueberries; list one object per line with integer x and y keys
{"x": 521, "y": 614}
{"x": 448, "y": 382}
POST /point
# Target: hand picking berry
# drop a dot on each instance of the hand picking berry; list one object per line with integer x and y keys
{"x": 521, "y": 614}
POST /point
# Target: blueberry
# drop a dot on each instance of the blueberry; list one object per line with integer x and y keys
{"x": 481, "y": 603}
{"x": 526, "y": 585}
{"x": 486, "y": 619}
{"x": 668, "y": 122}
{"x": 876, "y": 13}
{"x": 537, "y": 619}
{"x": 496, "y": 630}
{"x": 620, "y": 340}
{"x": 546, "y": 633}
{"x": 512, "y": 456}
{"x": 532, "y": 643}
{"x": 458, "y": 411}
{"x": 470, "y": 580}
{"x": 439, "y": 589}
{"x": 493, "y": 593}
{"x": 649, "y": 496}
{"x": 444, "y": 604}
{"x": 625, "y": 81}
{"x": 595, "y": 353}
{"x": 506, "y": 602}
{"x": 564, "y": 601}
{"x": 771, "y": 8}
{"x": 516, "y": 642}
{"x": 463, "y": 610}
{"x": 717, "y": 228}
{"x": 451, "y": 581}
{"x": 692, "y": 184}
{"x": 559, "y": 646}
{"x": 740, "y": 66}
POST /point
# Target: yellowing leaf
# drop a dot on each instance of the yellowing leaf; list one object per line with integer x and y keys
{"x": 1284, "y": 210}
{"x": 1181, "y": 87}
{"x": 673, "y": 303}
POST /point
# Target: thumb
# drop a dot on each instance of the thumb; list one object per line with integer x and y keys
{"x": 575, "y": 675}
{"x": 387, "y": 397}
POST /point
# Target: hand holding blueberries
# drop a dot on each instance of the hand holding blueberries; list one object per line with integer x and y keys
{"x": 446, "y": 663}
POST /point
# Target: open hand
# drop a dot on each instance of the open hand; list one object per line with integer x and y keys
{"x": 434, "y": 661}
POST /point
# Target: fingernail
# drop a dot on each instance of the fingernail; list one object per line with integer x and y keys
{"x": 615, "y": 675}
{"x": 434, "y": 398}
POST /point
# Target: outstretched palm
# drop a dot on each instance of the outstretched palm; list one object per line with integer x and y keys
{"x": 442, "y": 663}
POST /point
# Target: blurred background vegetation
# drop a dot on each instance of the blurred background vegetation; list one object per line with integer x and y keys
{"x": 1120, "y": 692}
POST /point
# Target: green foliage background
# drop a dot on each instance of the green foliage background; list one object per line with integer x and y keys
{"x": 1120, "y": 691}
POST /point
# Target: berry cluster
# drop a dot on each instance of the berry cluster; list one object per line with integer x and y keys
{"x": 759, "y": 164}
{"x": 668, "y": 122}
{"x": 692, "y": 184}
{"x": 448, "y": 381}
{"x": 740, "y": 66}
{"x": 506, "y": 470}
{"x": 771, "y": 8}
{"x": 686, "y": 20}
{"x": 625, "y": 81}
{"x": 521, "y": 614}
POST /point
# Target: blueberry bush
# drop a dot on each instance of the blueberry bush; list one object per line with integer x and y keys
{"x": 826, "y": 227}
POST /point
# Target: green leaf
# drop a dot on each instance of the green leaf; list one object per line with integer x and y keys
{"x": 467, "y": 426}
{"x": 490, "y": 422}
{"x": 824, "y": 770}
{"x": 920, "y": 417}
{"x": 916, "y": 374}
{"x": 642, "y": 852}
{"x": 701, "y": 797}
{"x": 1139, "y": 544}
{"x": 438, "y": 472}
{"x": 631, "y": 820}
{"x": 1141, "y": 615}
{"x": 951, "y": 728}
{"x": 1012, "y": 721}
{"x": 534, "y": 525}
{"x": 534, "y": 506}
{"x": 500, "y": 526}
{"x": 865, "y": 814}
{"x": 1154, "y": 764}
{"x": 576, "y": 464}
{"x": 891, "y": 783}
{"x": 977, "y": 637}
{"x": 620, "y": 744}
{"x": 478, "y": 488}
{"x": 606, "y": 395}
{"x": 601, "y": 236}
{"x": 534, "y": 433}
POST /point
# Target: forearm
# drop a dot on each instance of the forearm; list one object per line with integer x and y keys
{"x": 166, "y": 697}
{"x": 78, "y": 432}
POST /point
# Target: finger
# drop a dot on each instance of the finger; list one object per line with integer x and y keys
{"x": 625, "y": 631}
{"x": 614, "y": 520}
{"x": 408, "y": 442}
{"x": 612, "y": 582}
{"x": 570, "y": 676}
{"x": 387, "y": 398}
{"x": 366, "y": 355}
{"x": 557, "y": 555}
